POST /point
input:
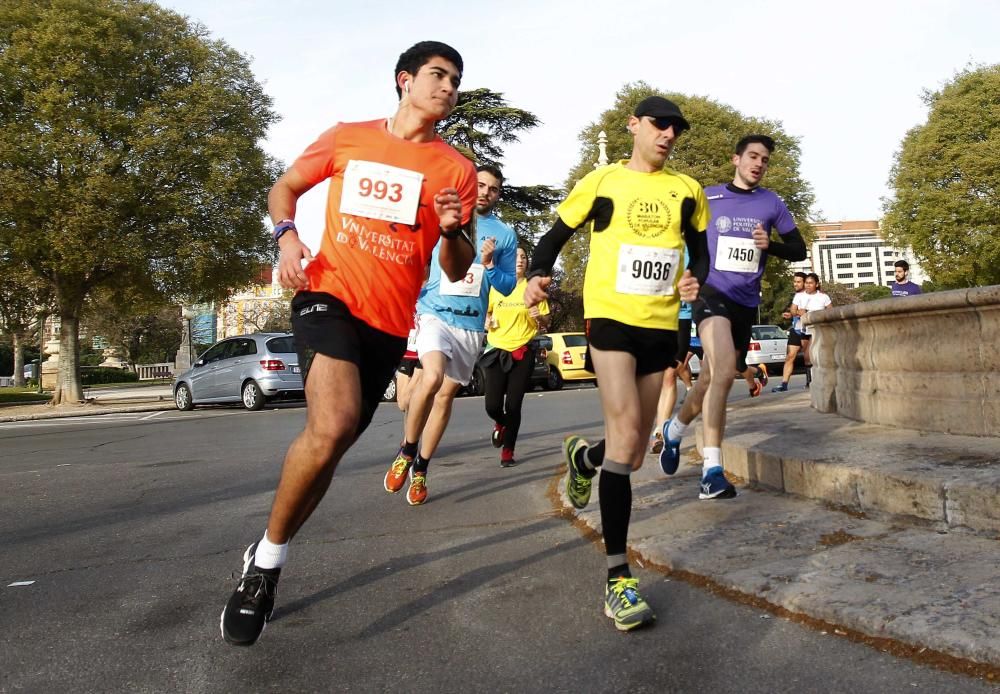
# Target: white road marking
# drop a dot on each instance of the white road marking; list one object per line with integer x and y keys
{"x": 155, "y": 414}
{"x": 18, "y": 584}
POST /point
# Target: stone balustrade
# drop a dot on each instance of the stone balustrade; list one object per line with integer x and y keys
{"x": 928, "y": 362}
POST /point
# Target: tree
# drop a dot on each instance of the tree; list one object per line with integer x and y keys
{"x": 872, "y": 292}
{"x": 141, "y": 332}
{"x": 22, "y": 298}
{"x": 840, "y": 294}
{"x": 703, "y": 153}
{"x": 946, "y": 183}
{"x": 129, "y": 157}
{"x": 479, "y": 126}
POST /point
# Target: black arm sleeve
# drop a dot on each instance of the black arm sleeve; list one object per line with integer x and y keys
{"x": 792, "y": 246}
{"x": 697, "y": 242}
{"x": 548, "y": 249}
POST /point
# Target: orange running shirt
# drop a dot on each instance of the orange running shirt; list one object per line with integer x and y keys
{"x": 380, "y": 222}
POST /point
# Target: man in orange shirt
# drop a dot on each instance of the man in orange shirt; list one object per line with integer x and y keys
{"x": 396, "y": 190}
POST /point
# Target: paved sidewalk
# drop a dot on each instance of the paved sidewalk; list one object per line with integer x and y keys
{"x": 100, "y": 401}
{"x": 873, "y": 570}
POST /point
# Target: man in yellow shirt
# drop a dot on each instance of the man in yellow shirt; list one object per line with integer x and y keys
{"x": 641, "y": 215}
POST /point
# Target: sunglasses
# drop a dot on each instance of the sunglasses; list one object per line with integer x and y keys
{"x": 666, "y": 122}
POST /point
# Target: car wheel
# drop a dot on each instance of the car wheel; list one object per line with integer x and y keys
{"x": 477, "y": 386}
{"x": 182, "y": 398}
{"x": 555, "y": 380}
{"x": 390, "y": 391}
{"x": 253, "y": 397}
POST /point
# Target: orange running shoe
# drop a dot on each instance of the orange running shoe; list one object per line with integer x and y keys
{"x": 396, "y": 476}
{"x": 417, "y": 493}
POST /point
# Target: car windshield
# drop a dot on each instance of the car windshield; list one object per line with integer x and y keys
{"x": 281, "y": 345}
{"x": 575, "y": 340}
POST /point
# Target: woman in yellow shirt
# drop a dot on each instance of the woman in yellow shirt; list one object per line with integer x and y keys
{"x": 510, "y": 358}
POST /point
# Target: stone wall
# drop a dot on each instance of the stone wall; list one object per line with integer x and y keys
{"x": 929, "y": 362}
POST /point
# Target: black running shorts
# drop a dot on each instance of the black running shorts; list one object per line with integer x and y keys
{"x": 711, "y": 302}
{"x": 407, "y": 366}
{"x": 683, "y": 340}
{"x": 654, "y": 350}
{"x": 322, "y": 324}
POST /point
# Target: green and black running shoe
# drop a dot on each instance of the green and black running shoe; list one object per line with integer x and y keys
{"x": 623, "y": 604}
{"x": 577, "y": 484}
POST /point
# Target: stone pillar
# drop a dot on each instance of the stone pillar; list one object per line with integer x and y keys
{"x": 112, "y": 360}
{"x": 50, "y": 368}
{"x": 185, "y": 354}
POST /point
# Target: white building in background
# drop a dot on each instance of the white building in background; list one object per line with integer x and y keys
{"x": 250, "y": 309}
{"x": 854, "y": 254}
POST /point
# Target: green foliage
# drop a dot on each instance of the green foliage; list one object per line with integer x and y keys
{"x": 946, "y": 183}
{"x": 777, "y": 295}
{"x": 97, "y": 375}
{"x": 481, "y": 124}
{"x": 873, "y": 292}
{"x": 129, "y": 155}
{"x": 704, "y": 153}
{"x": 840, "y": 294}
{"x": 141, "y": 332}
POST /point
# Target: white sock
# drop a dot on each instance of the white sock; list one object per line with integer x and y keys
{"x": 270, "y": 555}
{"x": 713, "y": 458}
{"x": 676, "y": 430}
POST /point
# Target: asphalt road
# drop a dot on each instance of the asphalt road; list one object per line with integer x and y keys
{"x": 128, "y": 528}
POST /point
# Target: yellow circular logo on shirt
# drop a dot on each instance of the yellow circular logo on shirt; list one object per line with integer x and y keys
{"x": 648, "y": 218}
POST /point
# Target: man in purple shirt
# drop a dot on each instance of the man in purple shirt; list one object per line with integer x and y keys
{"x": 739, "y": 241}
{"x": 902, "y": 286}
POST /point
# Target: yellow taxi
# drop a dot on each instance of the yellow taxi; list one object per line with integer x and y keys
{"x": 565, "y": 355}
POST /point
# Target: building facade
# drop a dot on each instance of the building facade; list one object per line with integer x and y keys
{"x": 854, "y": 254}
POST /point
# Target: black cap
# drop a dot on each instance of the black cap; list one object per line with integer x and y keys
{"x": 658, "y": 107}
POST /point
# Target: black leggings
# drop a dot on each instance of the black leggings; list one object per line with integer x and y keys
{"x": 512, "y": 386}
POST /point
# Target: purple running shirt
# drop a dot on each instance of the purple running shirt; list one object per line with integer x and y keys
{"x": 736, "y": 266}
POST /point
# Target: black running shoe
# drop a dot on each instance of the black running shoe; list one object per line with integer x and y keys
{"x": 249, "y": 609}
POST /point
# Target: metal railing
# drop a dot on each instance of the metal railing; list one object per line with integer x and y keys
{"x": 152, "y": 372}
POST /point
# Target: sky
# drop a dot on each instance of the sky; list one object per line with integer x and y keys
{"x": 846, "y": 78}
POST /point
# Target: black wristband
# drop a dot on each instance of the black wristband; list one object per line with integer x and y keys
{"x": 451, "y": 235}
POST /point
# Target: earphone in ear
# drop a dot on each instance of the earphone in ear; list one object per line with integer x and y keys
{"x": 406, "y": 87}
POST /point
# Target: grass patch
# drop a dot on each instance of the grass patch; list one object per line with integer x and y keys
{"x": 23, "y": 395}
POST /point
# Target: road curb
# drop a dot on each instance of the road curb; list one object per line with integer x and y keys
{"x": 918, "y": 593}
{"x": 89, "y": 410}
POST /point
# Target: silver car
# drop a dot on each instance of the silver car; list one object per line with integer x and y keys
{"x": 251, "y": 369}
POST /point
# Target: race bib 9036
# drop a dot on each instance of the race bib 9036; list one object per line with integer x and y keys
{"x": 380, "y": 191}
{"x": 646, "y": 270}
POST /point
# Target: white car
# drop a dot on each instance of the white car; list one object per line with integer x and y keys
{"x": 767, "y": 346}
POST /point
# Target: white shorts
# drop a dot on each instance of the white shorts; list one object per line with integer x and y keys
{"x": 460, "y": 347}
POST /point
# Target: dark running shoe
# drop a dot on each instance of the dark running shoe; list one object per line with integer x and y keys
{"x": 507, "y": 458}
{"x": 670, "y": 454}
{"x": 714, "y": 485}
{"x": 249, "y": 609}
{"x": 496, "y": 438}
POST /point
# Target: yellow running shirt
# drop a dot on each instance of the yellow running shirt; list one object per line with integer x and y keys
{"x": 636, "y": 243}
{"x": 514, "y": 326}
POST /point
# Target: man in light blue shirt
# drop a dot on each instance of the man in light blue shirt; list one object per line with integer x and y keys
{"x": 451, "y": 323}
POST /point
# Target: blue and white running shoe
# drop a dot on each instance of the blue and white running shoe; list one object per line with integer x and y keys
{"x": 714, "y": 485}
{"x": 670, "y": 456}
